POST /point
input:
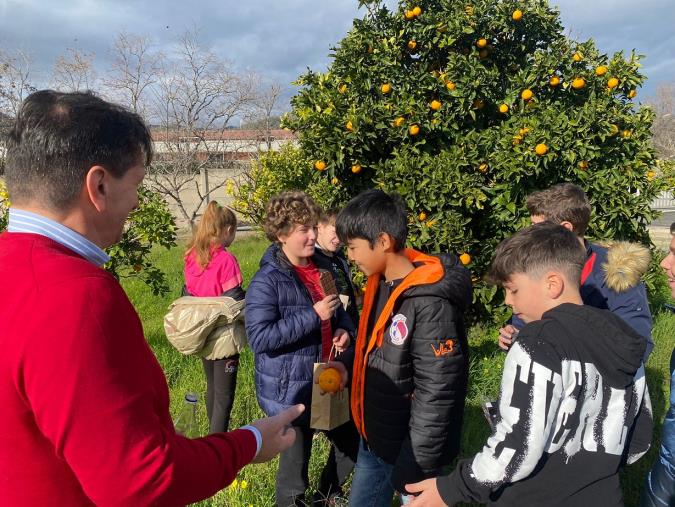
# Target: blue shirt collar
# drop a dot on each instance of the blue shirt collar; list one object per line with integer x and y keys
{"x": 33, "y": 223}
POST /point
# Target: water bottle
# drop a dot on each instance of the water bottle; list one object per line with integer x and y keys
{"x": 186, "y": 422}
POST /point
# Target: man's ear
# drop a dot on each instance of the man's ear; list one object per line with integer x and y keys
{"x": 96, "y": 187}
{"x": 555, "y": 284}
{"x": 567, "y": 225}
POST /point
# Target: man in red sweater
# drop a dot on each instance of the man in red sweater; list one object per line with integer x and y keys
{"x": 85, "y": 405}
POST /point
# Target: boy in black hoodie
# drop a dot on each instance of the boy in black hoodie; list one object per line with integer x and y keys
{"x": 574, "y": 404}
{"x": 411, "y": 356}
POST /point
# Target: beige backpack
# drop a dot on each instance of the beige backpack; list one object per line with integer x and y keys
{"x": 210, "y": 327}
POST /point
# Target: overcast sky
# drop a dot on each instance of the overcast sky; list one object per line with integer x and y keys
{"x": 281, "y": 38}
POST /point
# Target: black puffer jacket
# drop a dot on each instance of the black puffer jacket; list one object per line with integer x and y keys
{"x": 415, "y": 381}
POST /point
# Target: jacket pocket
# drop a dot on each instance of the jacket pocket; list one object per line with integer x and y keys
{"x": 282, "y": 385}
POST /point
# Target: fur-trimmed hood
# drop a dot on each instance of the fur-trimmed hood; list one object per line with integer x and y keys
{"x": 626, "y": 263}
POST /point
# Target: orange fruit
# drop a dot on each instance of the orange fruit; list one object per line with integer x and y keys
{"x": 632, "y": 94}
{"x": 541, "y": 149}
{"x": 417, "y": 10}
{"x": 651, "y": 175}
{"x": 435, "y": 105}
{"x": 398, "y": 121}
{"x": 554, "y": 81}
{"x": 483, "y": 168}
{"x": 422, "y": 216}
{"x": 612, "y": 82}
{"x": 577, "y": 57}
{"x": 483, "y": 53}
{"x": 517, "y": 15}
{"x": 578, "y": 83}
{"x": 349, "y": 126}
{"x": 356, "y": 168}
{"x": 583, "y": 165}
{"x": 320, "y": 165}
{"x": 503, "y": 108}
{"x": 385, "y": 88}
{"x": 601, "y": 70}
{"x": 626, "y": 134}
{"x": 409, "y": 14}
{"x": 329, "y": 380}
{"x": 450, "y": 85}
{"x": 481, "y": 43}
{"x": 465, "y": 258}
{"x": 527, "y": 94}
{"x": 412, "y": 45}
{"x": 334, "y": 181}
{"x": 342, "y": 88}
{"x": 413, "y": 130}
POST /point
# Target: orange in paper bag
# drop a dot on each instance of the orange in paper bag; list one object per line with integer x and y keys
{"x": 329, "y": 380}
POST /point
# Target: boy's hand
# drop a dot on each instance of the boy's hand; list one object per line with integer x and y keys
{"x": 344, "y": 376}
{"x": 506, "y": 335}
{"x": 341, "y": 340}
{"x": 427, "y": 494}
{"x": 326, "y": 307}
{"x": 277, "y": 433}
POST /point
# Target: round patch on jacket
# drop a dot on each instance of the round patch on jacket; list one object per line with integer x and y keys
{"x": 398, "y": 331}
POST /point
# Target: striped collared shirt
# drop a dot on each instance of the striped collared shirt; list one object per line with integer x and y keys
{"x": 25, "y": 221}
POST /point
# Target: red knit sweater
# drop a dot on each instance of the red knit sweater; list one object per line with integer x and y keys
{"x": 84, "y": 414}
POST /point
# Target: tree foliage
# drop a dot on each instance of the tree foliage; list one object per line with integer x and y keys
{"x": 464, "y": 108}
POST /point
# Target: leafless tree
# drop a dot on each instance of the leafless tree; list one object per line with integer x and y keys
{"x": 663, "y": 129}
{"x": 135, "y": 69}
{"x": 197, "y": 95}
{"x": 15, "y": 80}
{"x": 261, "y": 115}
{"x": 74, "y": 71}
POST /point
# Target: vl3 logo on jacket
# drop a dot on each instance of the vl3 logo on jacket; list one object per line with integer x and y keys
{"x": 398, "y": 331}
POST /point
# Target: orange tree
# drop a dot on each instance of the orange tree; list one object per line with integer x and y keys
{"x": 464, "y": 108}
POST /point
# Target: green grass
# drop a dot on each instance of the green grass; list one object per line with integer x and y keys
{"x": 185, "y": 374}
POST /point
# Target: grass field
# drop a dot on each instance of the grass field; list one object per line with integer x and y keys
{"x": 255, "y": 485}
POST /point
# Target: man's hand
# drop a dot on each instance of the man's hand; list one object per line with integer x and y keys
{"x": 341, "y": 340}
{"x": 327, "y": 306}
{"x": 277, "y": 433}
{"x": 427, "y": 494}
{"x": 344, "y": 375}
{"x": 506, "y": 335}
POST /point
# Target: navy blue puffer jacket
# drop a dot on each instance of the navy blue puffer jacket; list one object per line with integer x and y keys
{"x": 284, "y": 333}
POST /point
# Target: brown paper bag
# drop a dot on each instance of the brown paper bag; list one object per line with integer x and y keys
{"x": 328, "y": 411}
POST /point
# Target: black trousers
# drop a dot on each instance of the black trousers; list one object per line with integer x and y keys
{"x": 292, "y": 476}
{"x": 221, "y": 382}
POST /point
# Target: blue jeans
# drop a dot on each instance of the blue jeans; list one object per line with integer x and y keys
{"x": 659, "y": 490}
{"x": 371, "y": 484}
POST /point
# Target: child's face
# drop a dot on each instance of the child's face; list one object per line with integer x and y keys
{"x": 327, "y": 237}
{"x": 300, "y": 242}
{"x": 668, "y": 265}
{"x": 367, "y": 259}
{"x": 528, "y": 297}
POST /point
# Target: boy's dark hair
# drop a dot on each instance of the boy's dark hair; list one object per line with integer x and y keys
{"x": 286, "y": 210}
{"x": 57, "y": 137}
{"x": 372, "y": 213}
{"x": 672, "y": 229}
{"x": 329, "y": 216}
{"x": 565, "y": 202}
{"x": 537, "y": 249}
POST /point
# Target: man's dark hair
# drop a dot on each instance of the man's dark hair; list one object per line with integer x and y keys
{"x": 57, "y": 137}
{"x": 370, "y": 214}
{"x": 537, "y": 249}
{"x": 565, "y": 202}
{"x": 672, "y": 229}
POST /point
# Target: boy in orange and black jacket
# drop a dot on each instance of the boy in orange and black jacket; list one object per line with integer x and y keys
{"x": 410, "y": 368}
